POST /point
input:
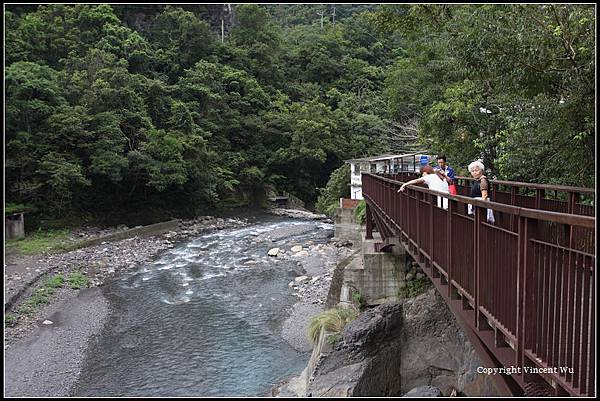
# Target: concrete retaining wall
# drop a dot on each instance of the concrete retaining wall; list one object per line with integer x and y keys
{"x": 141, "y": 231}
{"x": 346, "y": 227}
{"x": 14, "y": 226}
{"x": 375, "y": 275}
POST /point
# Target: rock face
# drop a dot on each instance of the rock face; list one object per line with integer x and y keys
{"x": 367, "y": 360}
{"x": 414, "y": 346}
{"x": 424, "y": 391}
{"x": 436, "y": 352}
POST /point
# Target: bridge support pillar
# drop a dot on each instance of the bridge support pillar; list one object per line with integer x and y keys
{"x": 377, "y": 276}
{"x": 369, "y": 218}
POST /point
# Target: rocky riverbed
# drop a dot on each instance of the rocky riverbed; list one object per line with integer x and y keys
{"x": 98, "y": 263}
{"x": 318, "y": 262}
{"x": 62, "y": 328}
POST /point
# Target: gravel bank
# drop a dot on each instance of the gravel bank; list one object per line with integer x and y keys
{"x": 48, "y": 363}
{"x": 318, "y": 263}
{"x": 98, "y": 263}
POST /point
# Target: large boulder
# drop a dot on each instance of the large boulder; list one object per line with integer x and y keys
{"x": 436, "y": 351}
{"x": 366, "y": 361}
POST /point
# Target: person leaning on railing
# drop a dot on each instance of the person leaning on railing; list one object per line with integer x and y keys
{"x": 481, "y": 187}
{"x": 434, "y": 181}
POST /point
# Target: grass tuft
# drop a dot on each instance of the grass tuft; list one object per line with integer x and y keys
{"x": 332, "y": 320}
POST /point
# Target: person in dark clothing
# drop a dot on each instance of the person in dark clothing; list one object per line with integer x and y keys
{"x": 481, "y": 186}
{"x": 447, "y": 172}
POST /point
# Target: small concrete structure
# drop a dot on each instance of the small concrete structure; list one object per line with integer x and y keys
{"x": 14, "y": 225}
{"x": 280, "y": 201}
{"x": 346, "y": 226}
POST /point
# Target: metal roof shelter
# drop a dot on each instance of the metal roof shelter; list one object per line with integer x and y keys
{"x": 386, "y": 163}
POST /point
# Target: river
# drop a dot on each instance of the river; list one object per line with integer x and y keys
{"x": 204, "y": 318}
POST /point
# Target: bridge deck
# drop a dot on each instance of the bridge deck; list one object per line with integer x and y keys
{"x": 521, "y": 286}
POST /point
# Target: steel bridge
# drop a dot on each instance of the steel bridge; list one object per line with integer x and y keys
{"x": 521, "y": 287}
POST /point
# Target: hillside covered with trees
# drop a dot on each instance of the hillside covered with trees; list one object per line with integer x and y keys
{"x": 110, "y": 118}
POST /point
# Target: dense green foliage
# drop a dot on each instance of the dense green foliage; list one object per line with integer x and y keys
{"x": 109, "y": 116}
{"x": 360, "y": 212}
{"x": 337, "y": 187}
{"x": 511, "y": 84}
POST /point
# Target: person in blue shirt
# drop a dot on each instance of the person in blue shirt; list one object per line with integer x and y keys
{"x": 444, "y": 168}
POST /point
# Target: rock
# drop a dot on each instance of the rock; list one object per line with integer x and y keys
{"x": 301, "y": 254}
{"x": 273, "y": 251}
{"x": 296, "y": 248}
{"x": 47, "y": 322}
{"x": 419, "y": 276}
{"x": 302, "y": 279}
{"x": 291, "y": 284}
{"x": 436, "y": 351}
{"x": 365, "y": 362}
{"x": 409, "y": 276}
{"x": 424, "y": 391}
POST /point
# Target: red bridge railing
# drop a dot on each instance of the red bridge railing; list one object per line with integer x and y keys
{"x": 522, "y": 286}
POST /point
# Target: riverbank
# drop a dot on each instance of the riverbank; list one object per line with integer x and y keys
{"x": 44, "y": 350}
{"x": 97, "y": 263}
{"x": 318, "y": 262}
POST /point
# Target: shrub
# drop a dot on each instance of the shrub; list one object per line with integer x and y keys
{"x": 10, "y": 319}
{"x": 360, "y": 212}
{"x": 337, "y": 187}
{"x": 55, "y": 281}
{"x": 415, "y": 287}
{"x": 359, "y": 300}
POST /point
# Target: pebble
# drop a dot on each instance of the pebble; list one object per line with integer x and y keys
{"x": 47, "y": 322}
{"x": 302, "y": 279}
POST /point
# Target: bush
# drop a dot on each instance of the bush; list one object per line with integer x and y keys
{"x": 360, "y": 212}
{"x": 415, "y": 287}
{"x": 10, "y": 319}
{"x": 337, "y": 187}
{"x": 56, "y": 281}
{"x": 359, "y": 300}
{"x": 332, "y": 320}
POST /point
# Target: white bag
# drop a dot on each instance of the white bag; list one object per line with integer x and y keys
{"x": 490, "y": 212}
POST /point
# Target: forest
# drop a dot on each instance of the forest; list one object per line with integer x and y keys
{"x": 145, "y": 112}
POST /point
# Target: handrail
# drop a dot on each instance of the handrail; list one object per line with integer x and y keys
{"x": 549, "y": 187}
{"x": 520, "y": 285}
{"x": 566, "y": 218}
